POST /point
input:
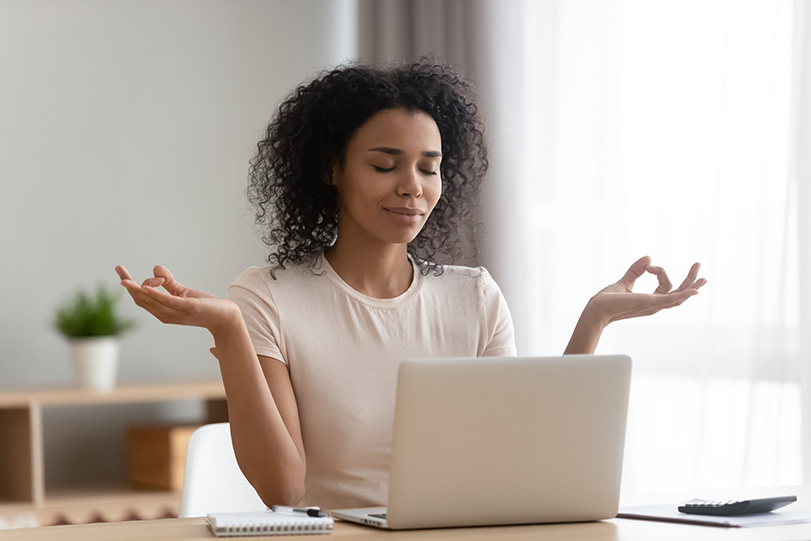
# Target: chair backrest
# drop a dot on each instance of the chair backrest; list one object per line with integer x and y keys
{"x": 213, "y": 481}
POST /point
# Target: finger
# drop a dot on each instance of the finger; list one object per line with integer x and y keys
{"x": 145, "y": 301}
{"x": 139, "y": 296}
{"x": 160, "y": 304}
{"x": 634, "y": 272}
{"x": 671, "y": 300}
{"x": 152, "y": 282}
{"x": 681, "y": 296}
{"x": 123, "y": 273}
{"x": 169, "y": 282}
{"x": 691, "y": 277}
{"x": 132, "y": 288}
{"x": 696, "y": 285}
{"x": 664, "y": 282}
{"x": 129, "y": 284}
{"x": 646, "y": 304}
{"x": 166, "y": 299}
{"x": 151, "y": 300}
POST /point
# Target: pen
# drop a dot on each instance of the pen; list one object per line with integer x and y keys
{"x": 310, "y": 511}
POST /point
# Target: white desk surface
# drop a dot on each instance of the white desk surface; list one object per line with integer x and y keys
{"x": 194, "y": 529}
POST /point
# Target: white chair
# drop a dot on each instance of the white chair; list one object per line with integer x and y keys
{"x": 213, "y": 481}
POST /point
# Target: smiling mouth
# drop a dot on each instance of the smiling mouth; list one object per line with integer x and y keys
{"x": 406, "y": 215}
{"x": 406, "y": 211}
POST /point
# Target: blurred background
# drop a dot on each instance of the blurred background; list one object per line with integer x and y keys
{"x": 618, "y": 128}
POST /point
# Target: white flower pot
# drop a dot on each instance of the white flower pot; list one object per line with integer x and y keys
{"x": 95, "y": 362}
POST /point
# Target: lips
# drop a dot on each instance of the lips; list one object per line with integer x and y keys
{"x": 407, "y": 215}
{"x": 408, "y": 211}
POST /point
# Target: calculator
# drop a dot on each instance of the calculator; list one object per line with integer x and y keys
{"x": 735, "y": 507}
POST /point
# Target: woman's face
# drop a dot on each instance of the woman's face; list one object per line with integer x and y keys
{"x": 390, "y": 181}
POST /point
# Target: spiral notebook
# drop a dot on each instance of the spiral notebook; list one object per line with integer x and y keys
{"x": 257, "y": 523}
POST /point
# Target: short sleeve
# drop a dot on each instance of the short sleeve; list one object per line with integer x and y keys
{"x": 251, "y": 292}
{"x": 498, "y": 319}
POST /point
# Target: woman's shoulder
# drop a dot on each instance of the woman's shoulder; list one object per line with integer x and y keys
{"x": 462, "y": 277}
{"x": 273, "y": 275}
{"x": 468, "y": 290}
{"x": 460, "y": 273}
{"x": 252, "y": 275}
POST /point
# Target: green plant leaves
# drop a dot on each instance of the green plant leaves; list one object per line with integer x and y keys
{"x": 91, "y": 314}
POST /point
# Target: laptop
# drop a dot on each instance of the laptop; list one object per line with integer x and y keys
{"x": 495, "y": 441}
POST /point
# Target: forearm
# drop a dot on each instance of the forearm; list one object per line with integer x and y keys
{"x": 587, "y": 332}
{"x": 266, "y": 452}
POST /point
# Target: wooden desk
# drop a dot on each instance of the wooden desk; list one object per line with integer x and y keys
{"x": 194, "y": 529}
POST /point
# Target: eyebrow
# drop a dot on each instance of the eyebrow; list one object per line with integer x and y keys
{"x": 398, "y": 152}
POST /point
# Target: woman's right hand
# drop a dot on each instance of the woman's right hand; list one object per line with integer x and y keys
{"x": 179, "y": 305}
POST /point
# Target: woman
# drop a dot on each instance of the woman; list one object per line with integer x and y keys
{"x": 365, "y": 175}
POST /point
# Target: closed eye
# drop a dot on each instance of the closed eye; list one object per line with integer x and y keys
{"x": 428, "y": 172}
{"x": 383, "y": 169}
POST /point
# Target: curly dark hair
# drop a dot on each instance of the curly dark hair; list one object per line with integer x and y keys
{"x": 297, "y": 206}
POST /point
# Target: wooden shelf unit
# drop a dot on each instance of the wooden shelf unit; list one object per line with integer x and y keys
{"x": 24, "y": 498}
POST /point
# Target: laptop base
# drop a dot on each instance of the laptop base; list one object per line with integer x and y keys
{"x": 369, "y": 516}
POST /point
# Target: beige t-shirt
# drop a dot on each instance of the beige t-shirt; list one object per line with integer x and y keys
{"x": 343, "y": 350}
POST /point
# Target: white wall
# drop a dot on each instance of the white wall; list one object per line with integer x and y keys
{"x": 125, "y": 133}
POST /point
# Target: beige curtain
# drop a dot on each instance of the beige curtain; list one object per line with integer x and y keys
{"x": 485, "y": 40}
{"x": 407, "y": 29}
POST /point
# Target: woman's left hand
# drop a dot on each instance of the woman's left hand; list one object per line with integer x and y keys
{"x": 618, "y": 301}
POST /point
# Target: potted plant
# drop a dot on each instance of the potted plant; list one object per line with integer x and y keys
{"x": 92, "y": 326}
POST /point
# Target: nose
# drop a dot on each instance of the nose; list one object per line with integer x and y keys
{"x": 410, "y": 185}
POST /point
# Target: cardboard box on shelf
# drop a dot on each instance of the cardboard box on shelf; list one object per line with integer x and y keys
{"x": 156, "y": 456}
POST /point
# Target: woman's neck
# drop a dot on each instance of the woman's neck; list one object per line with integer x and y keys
{"x": 381, "y": 273}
